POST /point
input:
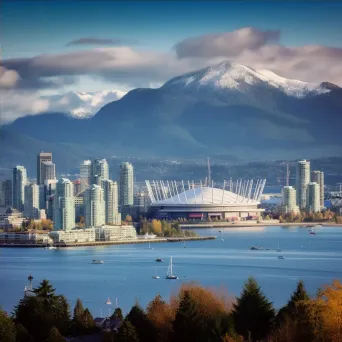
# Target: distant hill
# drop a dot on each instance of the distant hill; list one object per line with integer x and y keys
{"x": 228, "y": 111}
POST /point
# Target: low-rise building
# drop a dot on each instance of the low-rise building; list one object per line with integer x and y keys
{"x": 115, "y": 233}
{"x": 25, "y": 237}
{"x": 10, "y": 219}
{"x": 73, "y": 235}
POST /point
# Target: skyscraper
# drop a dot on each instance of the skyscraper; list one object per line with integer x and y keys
{"x": 42, "y": 157}
{"x": 64, "y": 205}
{"x": 100, "y": 168}
{"x": 302, "y": 181}
{"x": 31, "y": 206}
{"x": 110, "y": 190}
{"x": 48, "y": 171}
{"x": 6, "y": 193}
{"x": 318, "y": 177}
{"x": 18, "y": 182}
{"x": 289, "y": 200}
{"x": 94, "y": 206}
{"x": 313, "y": 204}
{"x": 126, "y": 184}
{"x": 85, "y": 174}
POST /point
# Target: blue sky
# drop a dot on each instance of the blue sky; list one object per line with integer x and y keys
{"x": 30, "y": 28}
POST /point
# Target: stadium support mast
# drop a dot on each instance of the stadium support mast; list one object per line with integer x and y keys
{"x": 209, "y": 172}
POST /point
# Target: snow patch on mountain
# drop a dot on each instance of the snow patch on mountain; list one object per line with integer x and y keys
{"x": 81, "y": 104}
{"x": 226, "y": 76}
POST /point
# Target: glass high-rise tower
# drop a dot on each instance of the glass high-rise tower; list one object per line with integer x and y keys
{"x": 19, "y": 181}
{"x": 302, "y": 181}
{"x": 126, "y": 184}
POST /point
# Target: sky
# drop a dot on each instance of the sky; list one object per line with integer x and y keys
{"x": 49, "y": 48}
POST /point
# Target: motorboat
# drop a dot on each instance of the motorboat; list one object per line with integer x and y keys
{"x": 254, "y": 248}
{"x": 97, "y": 262}
{"x": 159, "y": 260}
{"x": 50, "y": 247}
{"x": 281, "y": 257}
{"x": 169, "y": 274}
{"x": 155, "y": 277}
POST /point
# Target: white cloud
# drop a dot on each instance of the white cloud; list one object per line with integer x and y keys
{"x": 8, "y": 78}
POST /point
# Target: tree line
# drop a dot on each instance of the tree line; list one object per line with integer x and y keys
{"x": 163, "y": 228}
{"x": 194, "y": 314}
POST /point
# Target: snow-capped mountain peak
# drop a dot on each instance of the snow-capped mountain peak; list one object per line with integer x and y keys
{"x": 82, "y": 104}
{"x": 232, "y": 76}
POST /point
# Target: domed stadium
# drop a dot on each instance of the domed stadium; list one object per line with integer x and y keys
{"x": 231, "y": 201}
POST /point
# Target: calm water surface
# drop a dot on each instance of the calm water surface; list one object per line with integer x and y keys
{"x": 128, "y": 269}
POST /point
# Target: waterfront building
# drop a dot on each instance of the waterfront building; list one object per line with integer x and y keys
{"x": 25, "y": 237}
{"x": 48, "y": 171}
{"x": 115, "y": 233}
{"x": 85, "y": 174}
{"x": 73, "y": 236}
{"x": 31, "y": 206}
{"x": 64, "y": 205}
{"x": 18, "y": 191}
{"x": 94, "y": 206}
{"x": 302, "y": 181}
{"x": 318, "y": 177}
{"x": 10, "y": 219}
{"x": 126, "y": 184}
{"x": 42, "y": 157}
{"x": 313, "y": 204}
{"x": 110, "y": 190}
{"x": 197, "y": 202}
{"x": 290, "y": 200}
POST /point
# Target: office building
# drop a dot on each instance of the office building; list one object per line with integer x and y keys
{"x": 42, "y": 157}
{"x": 48, "y": 171}
{"x": 318, "y": 177}
{"x": 18, "y": 187}
{"x": 79, "y": 206}
{"x": 94, "y": 206}
{"x": 110, "y": 190}
{"x": 313, "y": 204}
{"x": 290, "y": 200}
{"x": 100, "y": 168}
{"x": 31, "y": 206}
{"x": 126, "y": 190}
{"x": 302, "y": 181}
{"x": 6, "y": 193}
{"x": 85, "y": 174}
{"x": 64, "y": 205}
{"x": 77, "y": 187}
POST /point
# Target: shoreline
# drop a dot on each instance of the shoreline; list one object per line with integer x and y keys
{"x": 254, "y": 224}
{"x": 108, "y": 243}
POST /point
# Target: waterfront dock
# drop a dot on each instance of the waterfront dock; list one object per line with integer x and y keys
{"x": 108, "y": 243}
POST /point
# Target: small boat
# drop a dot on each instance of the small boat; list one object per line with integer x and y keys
{"x": 220, "y": 231}
{"x": 281, "y": 257}
{"x": 278, "y": 250}
{"x": 312, "y": 232}
{"x": 169, "y": 274}
{"x": 155, "y": 277}
{"x": 159, "y": 260}
{"x": 184, "y": 244}
{"x": 254, "y": 248}
{"x": 50, "y": 247}
{"x": 108, "y": 302}
{"x": 97, "y": 262}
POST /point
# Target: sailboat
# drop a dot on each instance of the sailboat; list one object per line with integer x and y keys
{"x": 278, "y": 250}
{"x": 108, "y": 302}
{"x": 184, "y": 244}
{"x": 169, "y": 274}
{"x": 312, "y": 232}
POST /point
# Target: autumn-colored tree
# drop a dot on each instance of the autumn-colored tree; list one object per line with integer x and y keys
{"x": 55, "y": 336}
{"x": 331, "y": 303}
{"x": 156, "y": 227}
{"x": 128, "y": 218}
{"x": 161, "y": 315}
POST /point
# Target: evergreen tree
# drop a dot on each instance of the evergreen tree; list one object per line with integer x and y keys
{"x": 78, "y": 310}
{"x": 126, "y": 333}
{"x": 7, "y": 328}
{"x": 22, "y": 334}
{"x": 117, "y": 314}
{"x": 88, "y": 320}
{"x": 253, "y": 313}
{"x": 45, "y": 290}
{"x": 55, "y": 336}
{"x": 144, "y": 328}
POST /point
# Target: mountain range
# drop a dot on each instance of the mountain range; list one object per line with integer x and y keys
{"x": 228, "y": 111}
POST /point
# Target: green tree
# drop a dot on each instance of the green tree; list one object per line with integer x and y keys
{"x": 7, "y": 328}
{"x": 88, "y": 321}
{"x": 22, "y": 334}
{"x": 144, "y": 328}
{"x": 55, "y": 336}
{"x": 117, "y": 314}
{"x": 45, "y": 291}
{"x": 126, "y": 333}
{"x": 78, "y": 310}
{"x": 253, "y": 313}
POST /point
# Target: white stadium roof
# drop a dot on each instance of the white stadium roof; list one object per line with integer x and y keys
{"x": 207, "y": 196}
